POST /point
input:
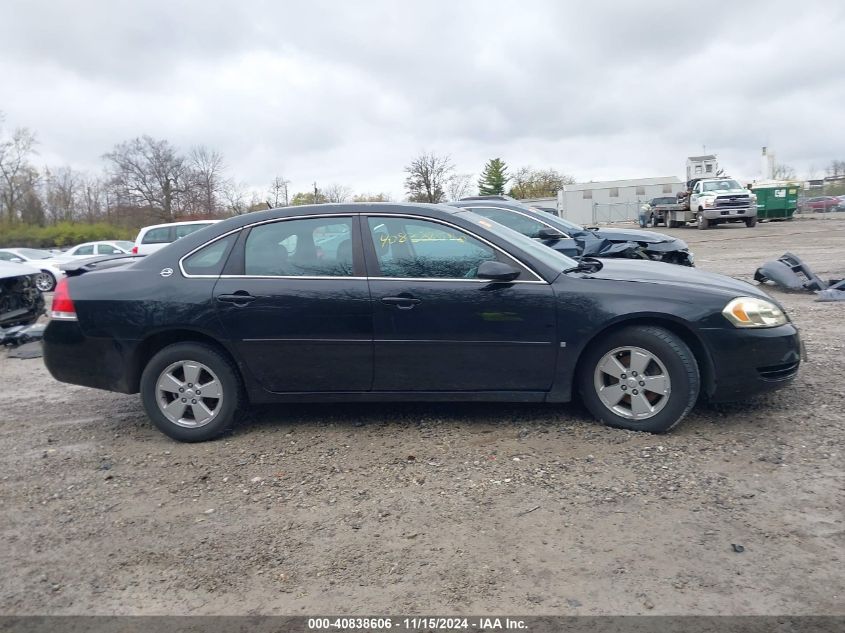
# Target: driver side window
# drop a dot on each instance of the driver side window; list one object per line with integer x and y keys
{"x": 416, "y": 248}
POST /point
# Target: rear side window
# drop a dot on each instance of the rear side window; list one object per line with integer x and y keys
{"x": 161, "y": 235}
{"x": 85, "y": 250}
{"x": 314, "y": 247}
{"x": 107, "y": 249}
{"x": 210, "y": 259}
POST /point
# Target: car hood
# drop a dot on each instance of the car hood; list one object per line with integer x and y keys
{"x": 634, "y": 235}
{"x": 670, "y": 274}
{"x": 12, "y": 269}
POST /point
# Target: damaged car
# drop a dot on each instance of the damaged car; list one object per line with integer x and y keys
{"x": 575, "y": 240}
{"x": 21, "y": 302}
{"x": 391, "y": 302}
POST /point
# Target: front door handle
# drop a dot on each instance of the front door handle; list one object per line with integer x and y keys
{"x": 403, "y": 303}
{"x": 240, "y": 298}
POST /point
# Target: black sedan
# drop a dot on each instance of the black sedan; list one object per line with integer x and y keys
{"x": 575, "y": 240}
{"x": 401, "y": 302}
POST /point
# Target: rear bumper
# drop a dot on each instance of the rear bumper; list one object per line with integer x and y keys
{"x": 747, "y": 362}
{"x": 72, "y": 357}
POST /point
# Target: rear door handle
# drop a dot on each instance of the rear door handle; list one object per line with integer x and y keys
{"x": 240, "y": 298}
{"x": 403, "y": 303}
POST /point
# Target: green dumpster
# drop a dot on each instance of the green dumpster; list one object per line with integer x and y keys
{"x": 776, "y": 199}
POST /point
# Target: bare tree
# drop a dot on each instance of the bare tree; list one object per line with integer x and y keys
{"x": 459, "y": 186}
{"x": 783, "y": 172}
{"x": 62, "y": 190}
{"x": 337, "y": 193}
{"x": 235, "y": 197}
{"x": 836, "y": 168}
{"x": 428, "y": 174}
{"x": 15, "y": 151}
{"x": 31, "y": 207}
{"x": 206, "y": 178}
{"x": 91, "y": 198}
{"x": 279, "y": 192}
{"x": 150, "y": 172}
{"x": 371, "y": 197}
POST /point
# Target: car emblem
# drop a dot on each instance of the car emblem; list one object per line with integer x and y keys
{"x": 166, "y": 272}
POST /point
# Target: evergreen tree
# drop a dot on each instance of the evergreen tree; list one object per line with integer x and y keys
{"x": 494, "y": 177}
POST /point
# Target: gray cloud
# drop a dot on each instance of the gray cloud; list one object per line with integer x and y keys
{"x": 349, "y": 91}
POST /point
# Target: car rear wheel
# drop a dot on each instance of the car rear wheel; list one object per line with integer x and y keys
{"x": 191, "y": 392}
{"x": 641, "y": 378}
{"x": 749, "y": 222}
{"x": 45, "y": 281}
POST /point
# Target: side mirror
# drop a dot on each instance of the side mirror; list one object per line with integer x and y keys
{"x": 496, "y": 271}
{"x": 550, "y": 234}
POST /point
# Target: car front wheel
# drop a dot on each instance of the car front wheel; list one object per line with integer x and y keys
{"x": 191, "y": 392}
{"x": 642, "y": 378}
{"x": 703, "y": 223}
{"x": 45, "y": 281}
{"x": 749, "y": 222}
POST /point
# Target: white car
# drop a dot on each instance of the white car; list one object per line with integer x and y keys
{"x": 152, "y": 238}
{"x": 91, "y": 249}
{"x": 45, "y": 261}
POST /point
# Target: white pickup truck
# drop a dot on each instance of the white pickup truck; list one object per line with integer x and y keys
{"x": 717, "y": 200}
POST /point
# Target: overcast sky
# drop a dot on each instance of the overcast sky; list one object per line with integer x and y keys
{"x": 349, "y": 92}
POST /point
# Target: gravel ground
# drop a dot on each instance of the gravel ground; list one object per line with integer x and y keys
{"x": 440, "y": 508}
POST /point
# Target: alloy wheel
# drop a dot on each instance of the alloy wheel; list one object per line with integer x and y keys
{"x": 189, "y": 394}
{"x": 44, "y": 282}
{"x": 632, "y": 382}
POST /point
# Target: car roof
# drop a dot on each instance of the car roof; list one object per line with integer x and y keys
{"x": 165, "y": 224}
{"x": 460, "y": 217}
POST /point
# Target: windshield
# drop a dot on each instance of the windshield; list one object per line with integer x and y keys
{"x": 720, "y": 185}
{"x": 549, "y": 256}
{"x": 34, "y": 253}
{"x": 568, "y": 226}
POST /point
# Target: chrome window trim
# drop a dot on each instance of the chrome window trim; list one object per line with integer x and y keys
{"x": 523, "y": 214}
{"x": 538, "y": 280}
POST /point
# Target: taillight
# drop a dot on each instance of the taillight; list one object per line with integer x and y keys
{"x": 134, "y": 250}
{"x": 63, "y": 308}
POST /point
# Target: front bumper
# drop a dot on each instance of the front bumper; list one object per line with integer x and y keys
{"x": 715, "y": 213}
{"x": 750, "y": 361}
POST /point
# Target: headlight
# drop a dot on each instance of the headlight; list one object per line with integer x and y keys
{"x": 709, "y": 202}
{"x": 752, "y": 312}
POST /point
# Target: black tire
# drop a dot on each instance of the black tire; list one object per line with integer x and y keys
{"x": 233, "y": 399}
{"x": 675, "y": 355}
{"x": 673, "y": 224}
{"x": 45, "y": 281}
{"x": 655, "y": 221}
{"x": 703, "y": 223}
{"x": 750, "y": 222}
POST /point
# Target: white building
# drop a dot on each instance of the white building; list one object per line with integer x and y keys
{"x": 611, "y": 200}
